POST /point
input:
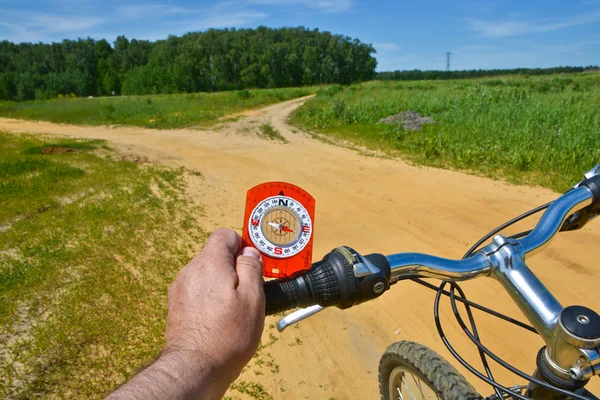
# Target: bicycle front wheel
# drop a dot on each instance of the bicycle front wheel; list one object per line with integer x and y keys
{"x": 408, "y": 370}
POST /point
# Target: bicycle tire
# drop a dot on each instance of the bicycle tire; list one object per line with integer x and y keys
{"x": 429, "y": 367}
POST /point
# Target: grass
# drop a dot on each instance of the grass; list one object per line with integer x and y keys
{"x": 268, "y": 132}
{"x": 86, "y": 258}
{"x": 541, "y": 130}
{"x": 159, "y": 111}
{"x": 87, "y": 254}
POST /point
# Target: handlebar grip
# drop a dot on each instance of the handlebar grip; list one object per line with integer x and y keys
{"x": 330, "y": 282}
{"x": 281, "y": 295}
{"x": 319, "y": 285}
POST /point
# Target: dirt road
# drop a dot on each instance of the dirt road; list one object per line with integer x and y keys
{"x": 373, "y": 205}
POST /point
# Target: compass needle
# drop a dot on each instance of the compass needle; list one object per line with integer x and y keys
{"x": 274, "y": 225}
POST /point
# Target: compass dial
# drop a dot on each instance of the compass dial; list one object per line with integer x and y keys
{"x": 280, "y": 227}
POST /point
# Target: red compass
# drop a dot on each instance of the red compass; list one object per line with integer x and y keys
{"x": 279, "y": 222}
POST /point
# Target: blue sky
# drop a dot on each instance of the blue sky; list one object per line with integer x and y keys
{"x": 406, "y": 35}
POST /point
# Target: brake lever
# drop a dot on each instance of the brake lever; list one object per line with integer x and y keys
{"x": 297, "y": 316}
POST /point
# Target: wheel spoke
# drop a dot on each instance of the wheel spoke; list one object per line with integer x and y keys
{"x": 407, "y": 388}
{"x": 418, "y": 383}
{"x": 400, "y": 397}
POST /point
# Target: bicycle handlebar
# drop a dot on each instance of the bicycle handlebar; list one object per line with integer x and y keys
{"x": 426, "y": 266}
{"x": 345, "y": 278}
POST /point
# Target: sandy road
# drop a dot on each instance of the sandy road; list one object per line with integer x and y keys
{"x": 373, "y": 205}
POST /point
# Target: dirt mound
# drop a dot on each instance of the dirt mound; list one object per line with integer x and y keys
{"x": 410, "y": 120}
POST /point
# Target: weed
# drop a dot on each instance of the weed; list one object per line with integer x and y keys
{"x": 330, "y": 91}
{"x": 273, "y": 366}
{"x": 252, "y": 389}
{"x": 244, "y": 94}
{"x": 272, "y": 339}
{"x": 268, "y": 132}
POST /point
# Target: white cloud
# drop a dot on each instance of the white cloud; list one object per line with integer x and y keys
{"x": 61, "y": 23}
{"x": 515, "y": 28}
{"x": 151, "y": 21}
{"x": 383, "y": 47}
{"x": 36, "y": 27}
{"x": 325, "y": 5}
{"x": 19, "y": 33}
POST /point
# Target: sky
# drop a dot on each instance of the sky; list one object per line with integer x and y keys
{"x": 407, "y": 35}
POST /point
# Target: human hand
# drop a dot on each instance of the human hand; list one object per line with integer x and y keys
{"x": 216, "y": 317}
{"x": 217, "y": 305}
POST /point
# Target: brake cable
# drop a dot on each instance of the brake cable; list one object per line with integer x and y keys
{"x": 473, "y": 335}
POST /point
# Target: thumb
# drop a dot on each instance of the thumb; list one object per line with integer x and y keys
{"x": 249, "y": 269}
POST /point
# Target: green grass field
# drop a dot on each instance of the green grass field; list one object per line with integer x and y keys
{"x": 542, "y": 130}
{"x": 86, "y": 259}
{"x": 159, "y": 111}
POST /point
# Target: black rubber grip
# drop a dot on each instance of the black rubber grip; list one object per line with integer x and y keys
{"x": 329, "y": 282}
{"x": 281, "y": 295}
{"x": 323, "y": 283}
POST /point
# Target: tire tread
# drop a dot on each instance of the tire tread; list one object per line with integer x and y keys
{"x": 447, "y": 382}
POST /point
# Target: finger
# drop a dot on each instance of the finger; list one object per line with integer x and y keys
{"x": 218, "y": 255}
{"x": 249, "y": 271}
{"x": 223, "y": 241}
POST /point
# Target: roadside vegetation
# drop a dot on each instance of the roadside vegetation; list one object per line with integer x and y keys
{"x": 538, "y": 130}
{"x": 159, "y": 111}
{"x": 86, "y": 259}
{"x": 267, "y": 131}
{"x": 419, "y": 75}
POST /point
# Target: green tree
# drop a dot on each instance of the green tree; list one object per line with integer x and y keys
{"x": 217, "y": 59}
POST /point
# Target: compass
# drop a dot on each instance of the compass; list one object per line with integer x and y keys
{"x": 279, "y": 222}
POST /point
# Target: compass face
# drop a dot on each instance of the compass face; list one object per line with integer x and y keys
{"x": 280, "y": 227}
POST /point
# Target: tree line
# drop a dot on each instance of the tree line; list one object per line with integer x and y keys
{"x": 213, "y": 60}
{"x": 417, "y": 75}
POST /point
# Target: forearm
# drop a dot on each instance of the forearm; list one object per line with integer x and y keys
{"x": 177, "y": 375}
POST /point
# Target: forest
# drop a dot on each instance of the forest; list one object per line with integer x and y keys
{"x": 213, "y": 60}
{"x": 419, "y": 75}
